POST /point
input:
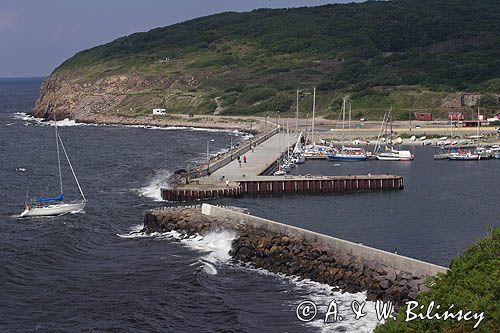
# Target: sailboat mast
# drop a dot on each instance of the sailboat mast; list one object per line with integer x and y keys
{"x": 71, "y": 167}
{"x": 380, "y": 132}
{"x": 58, "y": 155}
{"x": 287, "y": 140}
{"x": 314, "y": 111}
{"x": 297, "y": 114}
{"x": 451, "y": 129}
{"x": 392, "y": 133}
{"x": 343, "y": 120}
{"x": 478, "y": 126}
{"x": 350, "y": 105}
{"x": 279, "y": 142}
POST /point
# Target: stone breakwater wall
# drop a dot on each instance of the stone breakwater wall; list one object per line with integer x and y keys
{"x": 292, "y": 255}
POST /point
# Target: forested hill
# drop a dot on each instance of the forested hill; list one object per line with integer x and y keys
{"x": 253, "y": 62}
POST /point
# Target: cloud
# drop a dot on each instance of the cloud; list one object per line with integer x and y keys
{"x": 8, "y": 20}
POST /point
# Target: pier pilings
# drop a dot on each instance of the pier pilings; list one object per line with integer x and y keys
{"x": 268, "y": 185}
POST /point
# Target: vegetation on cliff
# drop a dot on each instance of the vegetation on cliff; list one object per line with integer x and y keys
{"x": 472, "y": 284}
{"x": 405, "y": 53}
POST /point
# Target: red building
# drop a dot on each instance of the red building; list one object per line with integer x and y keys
{"x": 455, "y": 116}
{"x": 425, "y": 116}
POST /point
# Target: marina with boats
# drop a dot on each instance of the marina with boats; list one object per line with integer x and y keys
{"x": 270, "y": 158}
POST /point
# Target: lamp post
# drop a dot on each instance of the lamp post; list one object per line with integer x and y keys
{"x": 277, "y": 120}
{"x": 231, "y": 148}
{"x": 208, "y": 156}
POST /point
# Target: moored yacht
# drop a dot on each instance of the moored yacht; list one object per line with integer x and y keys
{"x": 348, "y": 154}
{"x": 463, "y": 155}
{"x": 395, "y": 155}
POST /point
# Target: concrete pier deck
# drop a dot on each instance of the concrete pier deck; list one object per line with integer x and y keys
{"x": 258, "y": 160}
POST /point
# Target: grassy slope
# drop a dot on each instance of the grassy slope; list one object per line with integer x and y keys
{"x": 472, "y": 284}
{"x": 254, "y": 61}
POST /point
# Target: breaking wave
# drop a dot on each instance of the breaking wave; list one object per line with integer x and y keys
{"x": 216, "y": 244}
{"x": 159, "y": 180}
{"x": 29, "y": 119}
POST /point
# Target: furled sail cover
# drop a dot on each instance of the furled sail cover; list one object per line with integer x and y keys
{"x": 58, "y": 198}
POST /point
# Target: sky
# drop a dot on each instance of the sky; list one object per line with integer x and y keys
{"x": 38, "y": 35}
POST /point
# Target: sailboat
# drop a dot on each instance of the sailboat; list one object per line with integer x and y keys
{"x": 53, "y": 206}
{"x": 445, "y": 142}
{"x": 347, "y": 153}
{"x": 313, "y": 150}
{"x": 467, "y": 154}
{"x": 391, "y": 154}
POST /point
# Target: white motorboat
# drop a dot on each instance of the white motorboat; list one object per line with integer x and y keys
{"x": 466, "y": 155}
{"x": 495, "y": 151}
{"x": 348, "y": 154}
{"x": 395, "y": 155}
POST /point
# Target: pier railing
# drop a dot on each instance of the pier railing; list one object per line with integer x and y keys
{"x": 227, "y": 157}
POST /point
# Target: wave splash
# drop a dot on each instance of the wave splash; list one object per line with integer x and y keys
{"x": 216, "y": 245}
{"x": 159, "y": 180}
{"x": 29, "y": 119}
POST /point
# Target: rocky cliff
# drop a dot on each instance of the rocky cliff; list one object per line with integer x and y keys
{"x": 66, "y": 95}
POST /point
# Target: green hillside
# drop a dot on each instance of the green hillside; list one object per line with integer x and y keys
{"x": 405, "y": 53}
{"x": 471, "y": 284}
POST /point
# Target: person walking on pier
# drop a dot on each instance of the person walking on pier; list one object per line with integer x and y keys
{"x": 244, "y": 158}
{"x": 239, "y": 160}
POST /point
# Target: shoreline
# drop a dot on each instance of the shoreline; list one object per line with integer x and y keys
{"x": 142, "y": 123}
{"x": 181, "y": 121}
{"x": 256, "y": 125}
{"x": 325, "y": 128}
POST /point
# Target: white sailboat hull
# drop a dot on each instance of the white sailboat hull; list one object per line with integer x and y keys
{"x": 53, "y": 210}
{"x": 394, "y": 157}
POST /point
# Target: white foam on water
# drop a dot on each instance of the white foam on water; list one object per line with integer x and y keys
{"x": 25, "y": 117}
{"x": 216, "y": 244}
{"x": 155, "y": 183}
{"x": 136, "y": 232}
{"x": 322, "y": 294}
{"x": 66, "y": 122}
{"x": 41, "y": 121}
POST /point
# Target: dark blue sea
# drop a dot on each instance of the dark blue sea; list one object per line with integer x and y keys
{"x": 90, "y": 272}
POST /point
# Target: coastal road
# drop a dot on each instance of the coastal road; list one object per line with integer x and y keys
{"x": 327, "y": 128}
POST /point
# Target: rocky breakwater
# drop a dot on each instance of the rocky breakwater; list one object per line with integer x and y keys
{"x": 279, "y": 253}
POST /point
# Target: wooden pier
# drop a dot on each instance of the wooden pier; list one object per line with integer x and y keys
{"x": 269, "y": 185}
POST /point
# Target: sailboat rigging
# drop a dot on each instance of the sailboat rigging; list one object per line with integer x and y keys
{"x": 390, "y": 154}
{"x": 52, "y": 206}
{"x": 347, "y": 153}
